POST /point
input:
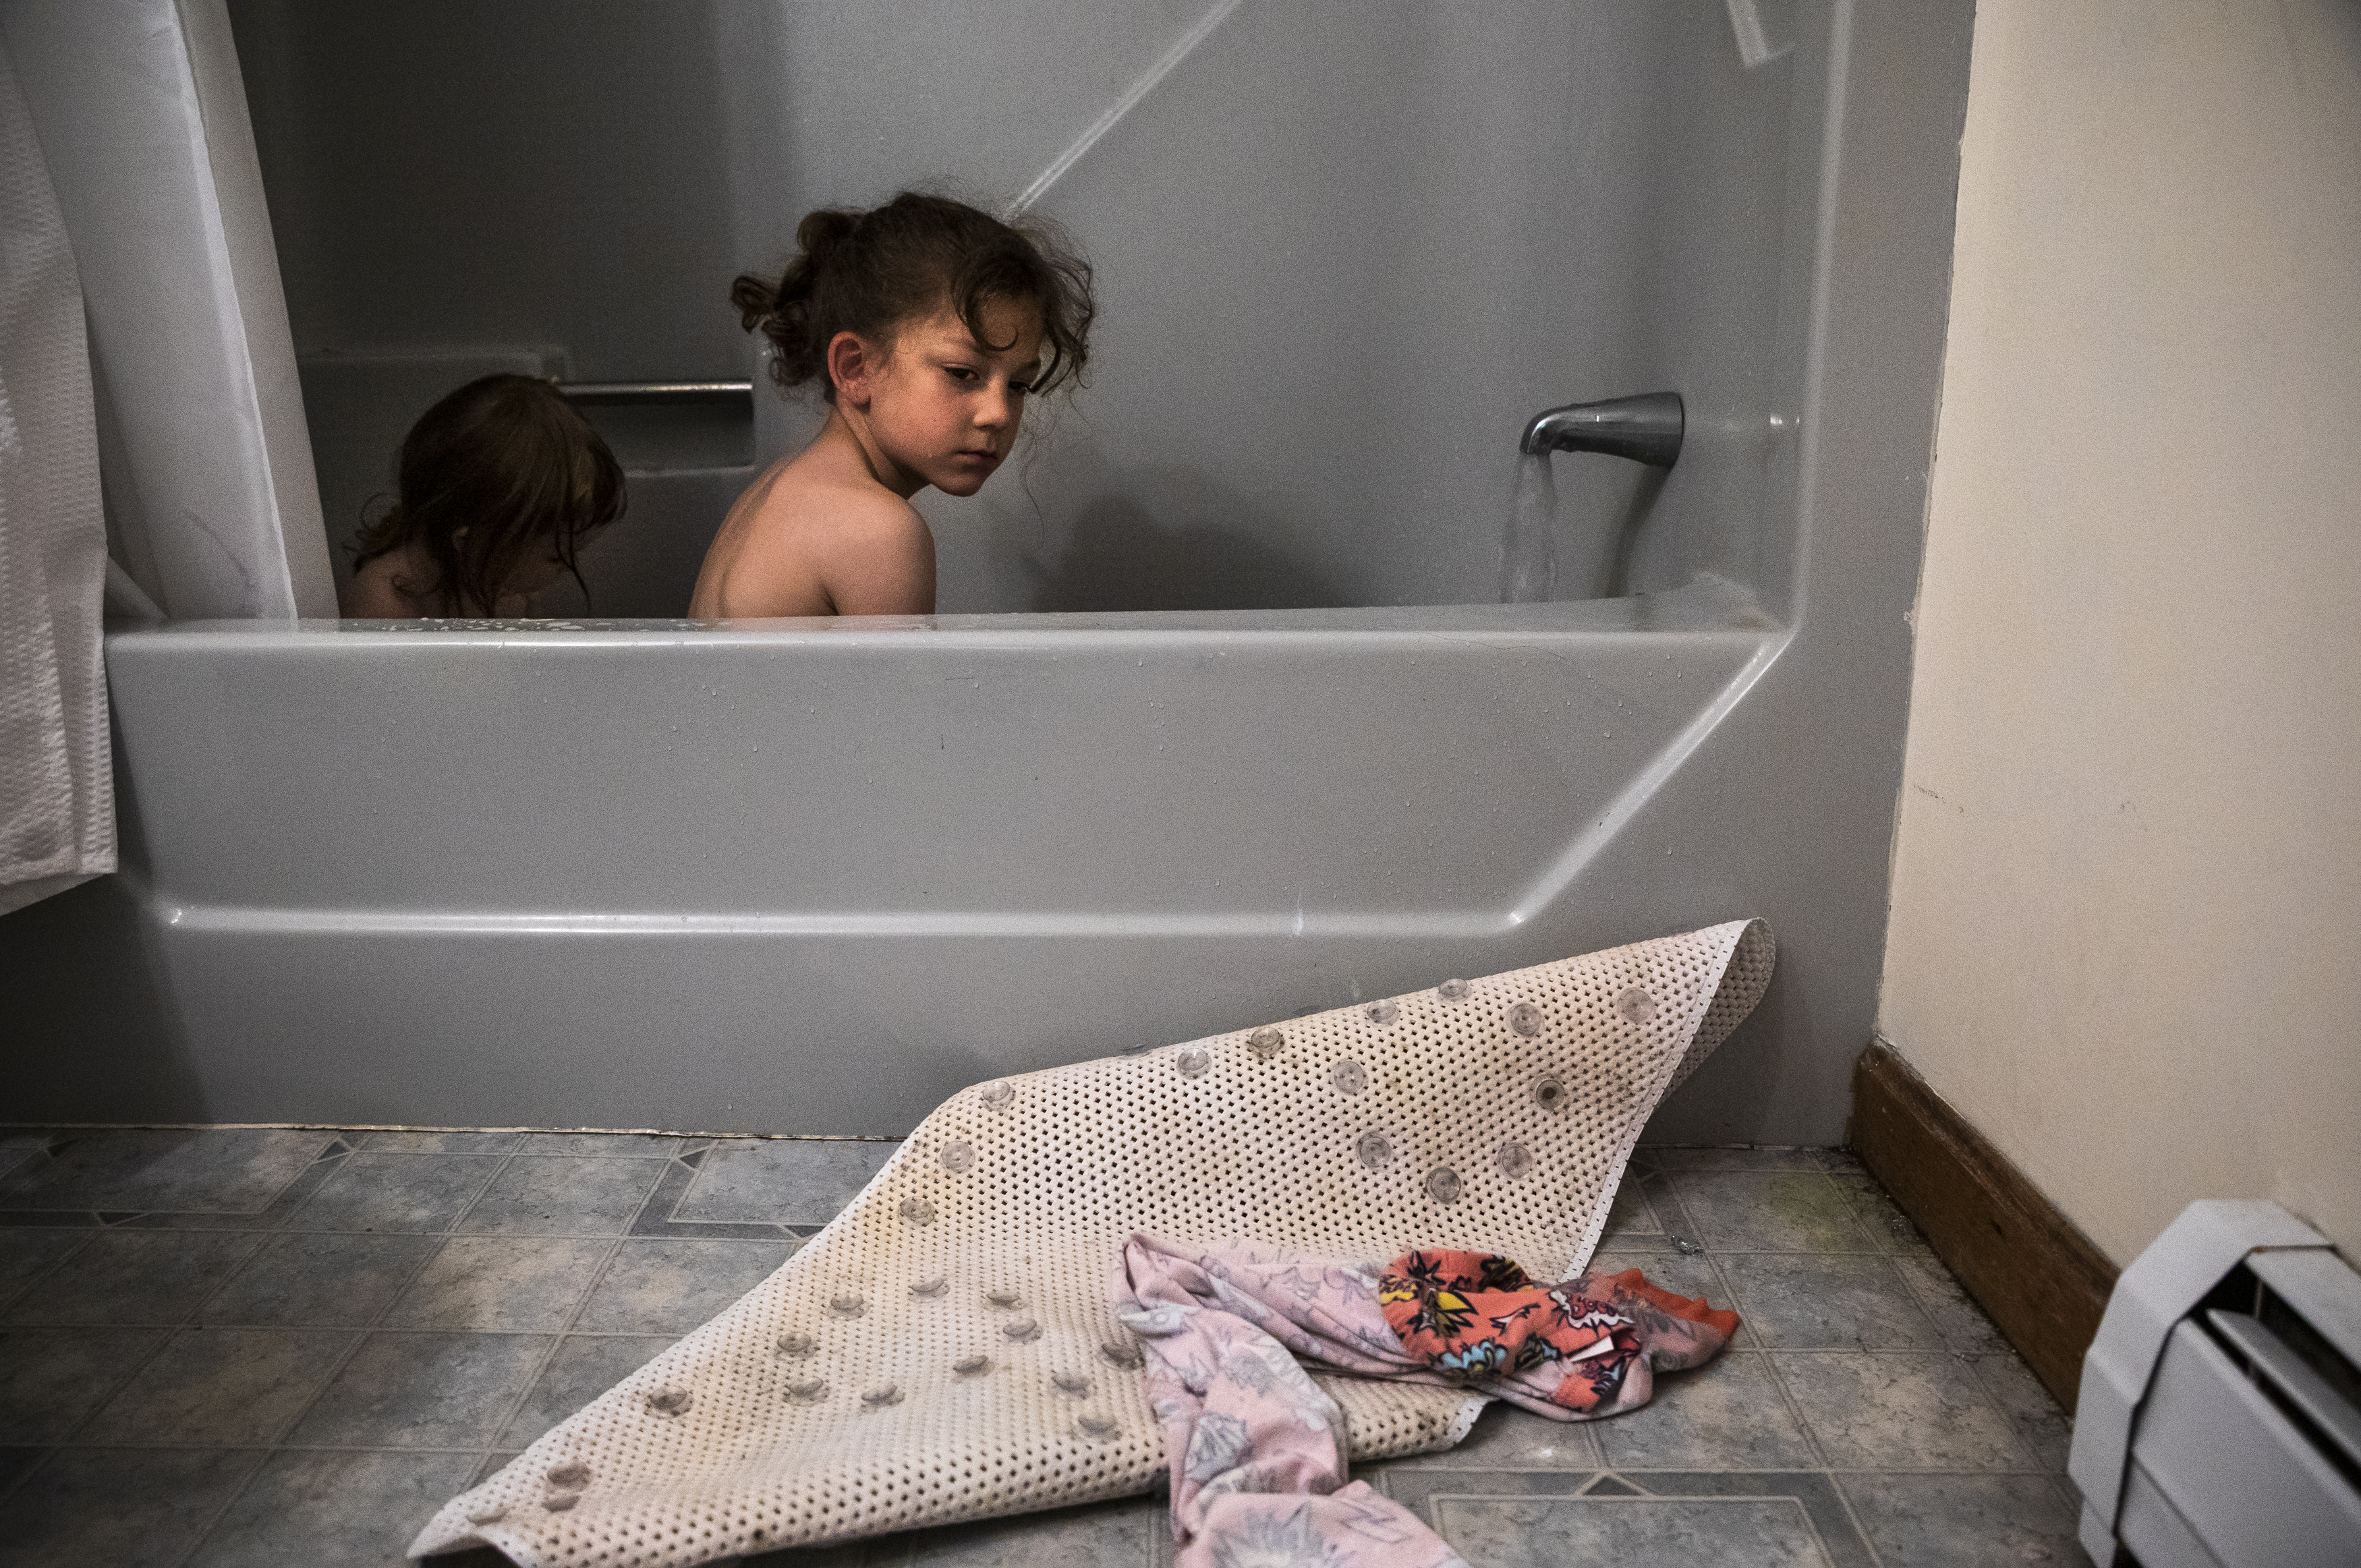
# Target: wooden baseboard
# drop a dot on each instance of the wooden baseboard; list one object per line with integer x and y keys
{"x": 2039, "y": 1279}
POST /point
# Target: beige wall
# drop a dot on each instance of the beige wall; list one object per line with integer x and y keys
{"x": 2127, "y": 867}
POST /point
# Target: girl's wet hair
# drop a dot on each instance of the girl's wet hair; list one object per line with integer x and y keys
{"x": 496, "y": 470}
{"x": 868, "y": 273}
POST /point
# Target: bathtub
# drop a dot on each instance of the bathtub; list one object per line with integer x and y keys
{"x": 813, "y": 876}
{"x": 810, "y": 877}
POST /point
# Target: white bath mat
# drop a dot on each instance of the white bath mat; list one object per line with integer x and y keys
{"x": 944, "y": 1350}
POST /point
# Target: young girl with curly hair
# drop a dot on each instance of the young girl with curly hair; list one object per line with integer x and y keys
{"x": 928, "y": 325}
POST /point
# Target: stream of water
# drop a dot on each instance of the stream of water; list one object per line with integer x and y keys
{"x": 1528, "y": 548}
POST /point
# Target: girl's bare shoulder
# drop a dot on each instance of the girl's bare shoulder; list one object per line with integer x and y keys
{"x": 805, "y": 541}
{"x": 383, "y": 590}
{"x": 831, "y": 508}
{"x": 870, "y": 547}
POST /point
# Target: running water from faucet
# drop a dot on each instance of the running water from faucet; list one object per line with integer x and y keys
{"x": 1528, "y": 548}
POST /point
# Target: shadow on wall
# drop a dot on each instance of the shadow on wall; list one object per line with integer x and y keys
{"x": 646, "y": 566}
{"x": 1623, "y": 537}
{"x": 1066, "y": 529}
{"x": 1170, "y": 539}
{"x": 1732, "y": 1105}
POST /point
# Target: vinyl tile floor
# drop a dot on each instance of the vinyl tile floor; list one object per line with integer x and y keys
{"x": 271, "y": 1347}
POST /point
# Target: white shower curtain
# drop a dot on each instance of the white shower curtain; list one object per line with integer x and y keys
{"x": 56, "y": 805}
{"x": 153, "y": 454}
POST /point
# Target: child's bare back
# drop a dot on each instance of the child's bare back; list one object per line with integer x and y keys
{"x": 808, "y": 538}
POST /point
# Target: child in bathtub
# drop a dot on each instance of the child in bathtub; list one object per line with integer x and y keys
{"x": 928, "y": 325}
{"x": 500, "y": 483}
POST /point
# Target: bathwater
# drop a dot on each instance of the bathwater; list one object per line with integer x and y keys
{"x": 1528, "y": 548}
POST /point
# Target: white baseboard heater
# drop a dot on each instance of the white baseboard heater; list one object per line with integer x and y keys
{"x": 2220, "y": 1416}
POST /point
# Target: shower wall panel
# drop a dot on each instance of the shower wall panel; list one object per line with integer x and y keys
{"x": 1344, "y": 248}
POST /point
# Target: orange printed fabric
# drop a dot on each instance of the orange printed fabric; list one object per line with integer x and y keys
{"x": 1589, "y": 1347}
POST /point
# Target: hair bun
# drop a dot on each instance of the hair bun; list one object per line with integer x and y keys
{"x": 868, "y": 272}
{"x": 757, "y": 302}
{"x": 823, "y": 231}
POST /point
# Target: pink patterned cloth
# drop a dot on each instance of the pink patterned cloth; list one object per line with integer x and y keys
{"x": 1258, "y": 1449}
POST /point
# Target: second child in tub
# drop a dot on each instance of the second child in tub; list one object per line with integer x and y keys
{"x": 499, "y": 485}
{"x": 928, "y": 325}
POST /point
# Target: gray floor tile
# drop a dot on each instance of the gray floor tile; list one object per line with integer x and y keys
{"x": 26, "y": 1255}
{"x": 583, "y": 1367}
{"x": 1412, "y": 1485}
{"x": 1684, "y": 1274}
{"x": 1803, "y": 1300}
{"x": 1807, "y": 1247}
{"x": 290, "y": 1198}
{"x": 1725, "y": 1415}
{"x": 1898, "y": 1412}
{"x": 222, "y": 1170}
{"x": 1630, "y": 1217}
{"x": 1887, "y": 1225}
{"x": 135, "y": 1277}
{"x": 422, "y": 1390}
{"x": 1633, "y": 1532}
{"x": 611, "y": 1145}
{"x": 493, "y": 1465}
{"x": 2041, "y": 1424}
{"x": 51, "y": 1379}
{"x": 1773, "y": 1211}
{"x": 671, "y": 1286}
{"x": 1673, "y": 1156}
{"x": 437, "y": 1143}
{"x": 1963, "y": 1325}
{"x": 1965, "y": 1521}
{"x": 383, "y": 1193}
{"x": 793, "y": 1181}
{"x": 563, "y": 1195}
{"x": 1100, "y": 1535}
{"x": 335, "y": 1511}
{"x": 318, "y": 1280}
{"x": 117, "y": 1507}
{"x": 219, "y": 1387}
{"x": 1506, "y": 1437}
{"x": 1815, "y": 1490}
{"x": 517, "y": 1284}
{"x": 1656, "y": 1186}
{"x": 656, "y": 1215}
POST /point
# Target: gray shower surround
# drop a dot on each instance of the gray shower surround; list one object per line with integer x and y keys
{"x": 1151, "y": 774}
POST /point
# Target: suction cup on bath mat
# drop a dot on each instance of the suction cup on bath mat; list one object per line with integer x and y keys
{"x": 846, "y": 1395}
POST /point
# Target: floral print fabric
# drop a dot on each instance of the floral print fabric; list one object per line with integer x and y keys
{"x": 1589, "y": 1347}
{"x": 1258, "y": 1451}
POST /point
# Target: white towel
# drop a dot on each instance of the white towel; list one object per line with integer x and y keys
{"x": 57, "y": 793}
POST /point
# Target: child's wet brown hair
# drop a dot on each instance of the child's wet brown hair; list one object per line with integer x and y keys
{"x": 868, "y": 273}
{"x": 487, "y": 474}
